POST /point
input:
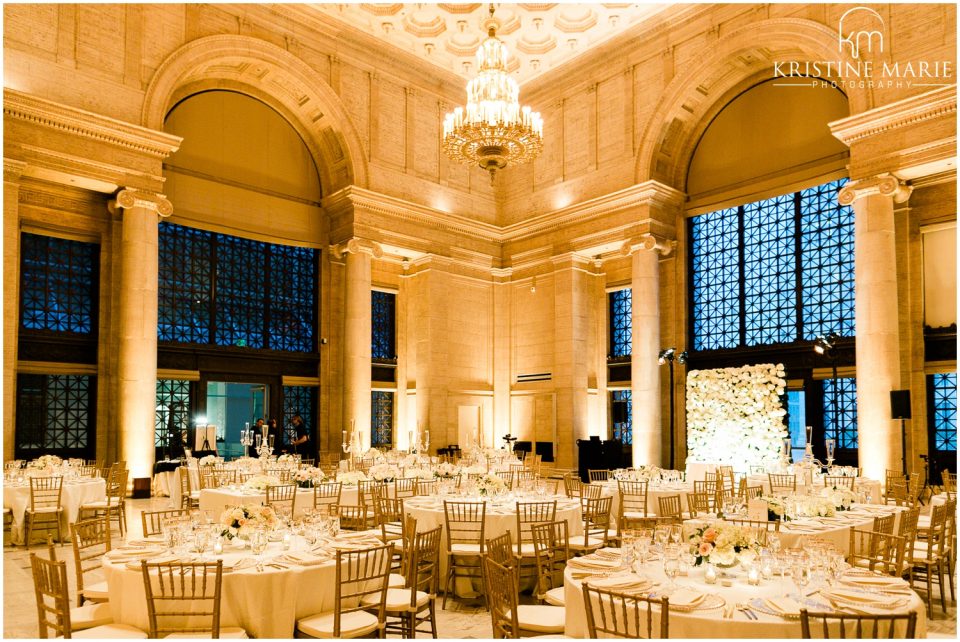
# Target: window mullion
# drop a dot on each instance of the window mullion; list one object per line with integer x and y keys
{"x": 742, "y": 284}
{"x": 798, "y": 264}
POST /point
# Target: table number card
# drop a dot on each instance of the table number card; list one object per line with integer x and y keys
{"x": 757, "y": 509}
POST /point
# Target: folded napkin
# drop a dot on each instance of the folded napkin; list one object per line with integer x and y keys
{"x": 859, "y": 598}
{"x": 592, "y": 563}
{"x": 161, "y": 559}
{"x": 686, "y": 598}
{"x": 354, "y": 544}
{"x": 150, "y": 541}
{"x": 303, "y": 559}
{"x": 608, "y": 554}
{"x": 621, "y": 583}
{"x": 123, "y": 555}
{"x": 783, "y": 606}
{"x": 874, "y": 581}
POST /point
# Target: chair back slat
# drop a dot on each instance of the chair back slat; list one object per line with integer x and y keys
{"x": 611, "y": 614}
{"x": 825, "y": 626}
{"x": 183, "y": 597}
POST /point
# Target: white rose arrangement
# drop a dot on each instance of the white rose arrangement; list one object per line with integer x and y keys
{"x": 261, "y": 482}
{"x": 735, "y": 415}
{"x": 445, "y": 470}
{"x": 308, "y": 477}
{"x": 240, "y": 521}
{"x": 489, "y": 485}
{"x": 841, "y": 497}
{"x": 46, "y": 462}
{"x": 419, "y": 473}
{"x": 721, "y": 543}
{"x": 351, "y": 477}
{"x": 209, "y": 460}
{"x": 384, "y": 472}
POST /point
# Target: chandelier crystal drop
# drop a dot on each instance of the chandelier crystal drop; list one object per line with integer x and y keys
{"x": 493, "y": 130}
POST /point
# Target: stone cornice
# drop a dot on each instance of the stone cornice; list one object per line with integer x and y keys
{"x": 938, "y": 103}
{"x": 12, "y": 170}
{"x": 85, "y": 124}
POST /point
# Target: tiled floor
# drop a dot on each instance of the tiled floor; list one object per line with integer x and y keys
{"x": 459, "y": 620}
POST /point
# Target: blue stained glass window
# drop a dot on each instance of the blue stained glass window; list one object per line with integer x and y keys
{"x": 769, "y": 271}
{"x": 381, "y": 418}
{"x": 55, "y": 414}
{"x": 623, "y": 430}
{"x": 621, "y": 322}
{"x": 774, "y": 271}
{"x": 173, "y": 409}
{"x": 229, "y": 291}
{"x": 826, "y": 256}
{"x": 714, "y": 242}
{"x": 944, "y": 411}
{"x": 383, "y": 325}
{"x": 840, "y": 411}
{"x": 58, "y": 284}
{"x": 298, "y": 400}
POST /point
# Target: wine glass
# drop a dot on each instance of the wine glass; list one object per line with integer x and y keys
{"x": 201, "y": 539}
{"x": 169, "y": 529}
{"x": 671, "y": 563}
{"x": 661, "y": 534}
{"x": 258, "y": 544}
{"x": 676, "y": 533}
{"x": 800, "y": 573}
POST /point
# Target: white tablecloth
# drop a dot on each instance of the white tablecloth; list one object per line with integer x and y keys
{"x": 75, "y": 492}
{"x": 266, "y": 604}
{"x": 710, "y": 623}
{"x": 216, "y": 500}
{"x": 860, "y": 483}
{"x": 654, "y": 493}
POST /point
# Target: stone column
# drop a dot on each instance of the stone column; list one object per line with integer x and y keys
{"x": 11, "y": 297}
{"x": 877, "y": 340}
{"x": 357, "y": 332}
{"x": 644, "y": 369}
{"x": 137, "y": 347}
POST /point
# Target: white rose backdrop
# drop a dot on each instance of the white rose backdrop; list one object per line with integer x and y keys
{"x": 734, "y": 415}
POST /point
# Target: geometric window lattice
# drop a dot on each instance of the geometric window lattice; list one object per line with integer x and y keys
{"x": 298, "y": 400}
{"x": 173, "y": 411}
{"x": 826, "y": 262}
{"x": 769, "y": 271}
{"x": 228, "y": 291}
{"x": 623, "y": 430}
{"x": 184, "y": 284}
{"x": 944, "y": 411}
{"x": 840, "y": 411}
{"x": 58, "y": 284}
{"x": 383, "y": 325}
{"x": 621, "y": 322}
{"x": 715, "y": 286}
{"x": 54, "y": 413}
{"x": 774, "y": 271}
{"x": 381, "y": 418}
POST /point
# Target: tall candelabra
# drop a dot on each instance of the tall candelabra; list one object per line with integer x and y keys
{"x": 264, "y": 448}
{"x": 246, "y": 439}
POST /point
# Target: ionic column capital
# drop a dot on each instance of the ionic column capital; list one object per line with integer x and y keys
{"x": 13, "y": 170}
{"x": 648, "y": 242}
{"x": 882, "y": 185}
{"x": 130, "y": 198}
{"x": 356, "y": 246}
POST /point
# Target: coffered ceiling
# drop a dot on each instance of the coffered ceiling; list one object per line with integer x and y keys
{"x": 539, "y": 37}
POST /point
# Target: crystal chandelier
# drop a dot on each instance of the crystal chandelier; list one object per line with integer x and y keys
{"x": 493, "y": 130}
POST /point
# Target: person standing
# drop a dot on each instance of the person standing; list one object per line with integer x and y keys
{"x": 273, "y": 432}
{"x": 303, "y": 436}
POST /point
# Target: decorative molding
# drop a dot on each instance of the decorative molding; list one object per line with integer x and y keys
{"x": 169, "y": 373}
{"x": 130, "y": 198}
{"x": 357, "y": 245}
{"x": 938, "y": 103}
{"x": 84, "y": 124}
{"x": 52, "y": 367}
{"x": 648, "y": 242}
{"x": 884, "y": 185}
{"x": 12, "y": 170}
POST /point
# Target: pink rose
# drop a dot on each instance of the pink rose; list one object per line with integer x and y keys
{"x": 241, "y": 522}
{"x": 705, "y": 549}
{"x": 710, "y": 535}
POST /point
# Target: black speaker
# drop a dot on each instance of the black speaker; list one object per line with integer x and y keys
{"x": 900, "y": 404}
{"x": 618, "y": 411}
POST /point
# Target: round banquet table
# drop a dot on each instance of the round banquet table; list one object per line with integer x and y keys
{"x": 654, "y": 493}
{"x": 500, "y": 518}
{"x": 266, "y": 604}
{"x": 859, "y": 484}
{"x": 75, "y": 492}
{"x": 710, "y": 623}
{"x": 216, "y": 500}
{"x": 834, "y": 530}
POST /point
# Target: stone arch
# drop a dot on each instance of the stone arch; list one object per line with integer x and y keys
{"x": 277, "y": 78}
{"x": 731, "y": 65}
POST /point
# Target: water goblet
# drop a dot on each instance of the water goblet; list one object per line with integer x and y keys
{"x": 258, "y": 544}
{"x": 201, "y": 539}
{"x": 671, "y": 563}
{"x": 661, "y": 535}
{"x": 676, "y": 533}
{"x": 800, "y": 573}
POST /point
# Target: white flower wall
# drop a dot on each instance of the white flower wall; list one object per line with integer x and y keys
{"x": 734, "y": 415}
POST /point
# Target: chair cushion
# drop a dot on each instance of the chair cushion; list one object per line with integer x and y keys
{"x": 396, "y": 581}
{"x": 633, "y": 515}
{"x": 352, "y": 625}
{"x": 96, "y": 505}
{"x": 592, "y": 542}
{"x": 555, "y": 597}
{"x": 229, "y": 632}
{"x": 527, "y": 550}
{"x": 44, "y": 509}
{"x": 398, "y": 599}
{"x": 465, "y": 549}
{"x": 540, "y": 618}
{"x": 112, "y": 632}
{"x": 90, "y": 615}
{"x": 97, "y": 591}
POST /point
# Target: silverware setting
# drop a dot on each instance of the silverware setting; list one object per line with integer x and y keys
{"x": 747, "y": 611}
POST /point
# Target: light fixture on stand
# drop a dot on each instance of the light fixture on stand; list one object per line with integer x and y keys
{"x": 493, "y": 130}
{"x": 668, "y": 356}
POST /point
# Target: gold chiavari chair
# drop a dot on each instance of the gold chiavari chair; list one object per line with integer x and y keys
{"x": 670, "y": 507}
{"x": 506, "y": 476}
{"x": 188, "y": 497}
{"x": 283, "y": 496}
{"x": 53, "y": 606}
{"x": 611, "y": 614}
{"x": 876, "y": 551}
{"x": 388, "y": 512}
{"x": 405, "y": 487}
{"x": 46, "y": 507}
{"x": 551, "y": 545}
{"x": 701, "y": 503}
{"x": 884, "y": 523}
{"x": 91, "y": 541}
{"x": 907, "y": 529}
{"x": 327, "y": 494}
{"x": 152, "y": 520}
{"x": 633, "y": 502}
{"x": 929, "y": 556}
{"x": 529, "y": 514}
{"x": 500, "y": 550}
{"x": 511, "y": 619}
{"x": 283, "y": 474}
{"x": 571, "y": 485}
{"x": 781, "y": 483}
{"x": 596, "y": 525}
{"x": 465, "y": 523}
{"x": 183, "y": 599}
{"x": 598, "y": 475}
{"x": 425, "y": 487}
{"x": 846, "y": 626}
{"x": 361, "y": 587}
{"x": 752, "y": 492}
{"x": 838, "y": 482}
{"x": 352, "y": 518}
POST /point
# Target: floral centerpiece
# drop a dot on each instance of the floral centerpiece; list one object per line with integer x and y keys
{"x": 419, "y": 473}
{"x": 841, "y": 497}
{"x": 410, "y": 461}
{"x": 816, "y": 506}
{"x": 261, "y": 482}
{"x": 776, "y": 508}
{"x": 721, "y": 543}
{"x": 46, "y": 462}
{"x": 240, "y": 521}
{"x": 285, "y": 459}
{"x": 640, "y": 473}
{"x": 351, "y": 477}
{"x": 384, "y": 472}
{"x": 209, "y": 460}
{"x": 445, "y": 470}
{"x": 308, "y": 477}
{"x": 489, "y": 485}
